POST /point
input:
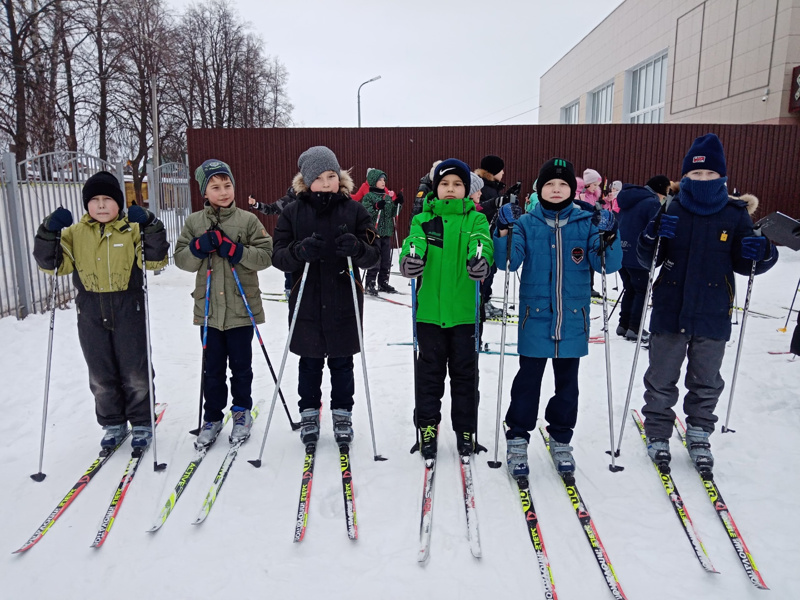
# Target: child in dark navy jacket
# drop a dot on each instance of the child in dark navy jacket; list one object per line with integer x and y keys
{"x": 558, "y": 246}
{"x": 705, "y": 237}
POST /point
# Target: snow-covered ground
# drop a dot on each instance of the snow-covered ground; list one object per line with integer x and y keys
{"x": 245, "y": 550}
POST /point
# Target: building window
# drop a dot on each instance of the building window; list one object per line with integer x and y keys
{"x": 648, "y": 88}
{"x": 602, "y": 104}
{"x": 569, "y": 113}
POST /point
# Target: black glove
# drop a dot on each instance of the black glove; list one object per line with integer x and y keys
{"x": 399, "y": 199}
{"x": 58, "y": 220}
{"x": 206, "y": 243}
{"x": 477, "y": 268}
{"x": 380, "y": 204}
{"x": 231, "y": 250}
{"x": 514, "y": 189}
{"x": 349, "y": 245}
{"x": 309, "y": 249}
{"x": 412, "y": 266}
{"x": 142, "y": 216}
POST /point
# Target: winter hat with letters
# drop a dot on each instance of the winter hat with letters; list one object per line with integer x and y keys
{"x": 556, "y": 168}
{"x": 315, "y": 161}
{"x": 208, "y": 169}
{"x": 374, "y": 176}
{"x": 102, "y": 184}
{"x": 451, "y": 166}
{"x": 476, "y": 183}
{"x": 591, "y": 176}
{"x": 493, "y": 164}
{"x": 706, "y": 153}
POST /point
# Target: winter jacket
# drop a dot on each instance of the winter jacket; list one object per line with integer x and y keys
{"x": 382, "y": 218}
{"x": 446, "y": 234}
{"x": 425, "y": 188}
{"x": 362, "y": 191}
{"x": 276, "y": 207}
{"x": 326, "y": 319}
{"x": 492, "y": 189}
{"x": 638, "y": 204}
{"x": 226, "y": 307}
{"x": 695, "y": 289}
{"x": 102, "y": 257}
{"x": 557, "y": 252}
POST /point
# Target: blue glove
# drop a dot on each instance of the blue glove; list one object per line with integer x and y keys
{"x": 663, "y": 226}
{"x": 142, "y": 216}
{"x": 508, "y": 215}
{"x": 58, "y": 220}
{"x": 755, "y": 248}
{"x": 605, "y": 221}
{"x": 230, "y": 250}
{"x": 205, "y": 243}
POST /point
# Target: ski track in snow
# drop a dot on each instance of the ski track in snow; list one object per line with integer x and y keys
{"x": 245, "y": 547}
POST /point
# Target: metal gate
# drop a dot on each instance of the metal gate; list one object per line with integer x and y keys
{"x": 32, "y": 189}
{"x": 173, "y": 202}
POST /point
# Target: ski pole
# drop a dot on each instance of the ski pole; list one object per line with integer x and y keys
{"x": 791, "y": 306}
{"x": 647, "y": 294}
{"x": 495, "y": 464}
{"x": 413, "y": 252}
{"x": 205, "y": 339}
{"x": 376, "y": 456}
{"x": 39, "y": 476}
{"x": 295, "y": 426}
{"x": 613, "y": 467}
{"x": 618, "y": 302}
{"x": 150, "y": 389}
{"x": 725, "y": 428}
{"x": 257, "y": 462}
{"x": 478, "y": 253}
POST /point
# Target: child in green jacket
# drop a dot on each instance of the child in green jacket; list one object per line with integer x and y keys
{"x": 449, "y": 249}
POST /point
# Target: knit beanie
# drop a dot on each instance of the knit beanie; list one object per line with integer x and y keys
{"x": 315, "y": 161}
{"x": 706, "y": 153}
{"x": 208, "y": 169}
{"x": 451, "y": 166}
{"x": 659, "y": 184}
{"x": 476, "y": 183}
{"x": 591, "y": 176}
{"x": 433, "y": 168}
{"x": 493, "y": 164}
{"x": 374, "y": 175}
{"x": 556, "y": 168}
{"x": 616, "y": 185}
{"x": 103, "y": 184}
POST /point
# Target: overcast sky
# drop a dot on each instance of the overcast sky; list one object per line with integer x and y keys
{"x": 441, "y": 62}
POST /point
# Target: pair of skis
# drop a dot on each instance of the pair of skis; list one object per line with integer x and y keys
{"x": 116, "y": 501}
{"x": 426, "y": 512}
{"x": 189, "y": 472}
{"x": 587, "y": 524}
{"x": 348, "y": 492}
{"x": 714, "y": 495}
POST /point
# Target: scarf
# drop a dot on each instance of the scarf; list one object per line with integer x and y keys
{"x": 704, "y": 197}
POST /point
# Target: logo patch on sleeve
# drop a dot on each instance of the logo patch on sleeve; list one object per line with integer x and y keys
{"x": 577, "y": 255}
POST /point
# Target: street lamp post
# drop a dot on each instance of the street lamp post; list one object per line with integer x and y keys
{"x": 359, "y": 96}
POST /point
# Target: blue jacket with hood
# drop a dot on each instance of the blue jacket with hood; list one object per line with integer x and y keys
{"x": 637, "y": 205}
{"x": 557, "y": 252}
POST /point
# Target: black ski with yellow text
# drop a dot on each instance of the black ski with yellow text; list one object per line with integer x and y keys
{"x": 348, "y": 492}
{"x": 305, "y": 492}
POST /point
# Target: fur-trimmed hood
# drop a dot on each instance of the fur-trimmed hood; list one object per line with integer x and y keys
{"x": 750, "y": 200}
{"x": 345, "y": 183}
{"x": 484, "y": 174}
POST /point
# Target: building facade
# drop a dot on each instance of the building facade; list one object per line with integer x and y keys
{"x": 680, "y": 61}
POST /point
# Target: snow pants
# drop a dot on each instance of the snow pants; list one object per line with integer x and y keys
{"x": 703, "y": 382}
{"x": 381, "y": 269}
{"x": 229, "y": 348}
{"x": 111, "y": 331}
{"x": 634, "y": 283}
{"x": 561, "y": 413}
{"x": 309, "y": 382}
{"x": 442, "y": 349}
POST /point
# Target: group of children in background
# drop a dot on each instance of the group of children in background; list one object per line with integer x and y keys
{"x": 565, "y": 233}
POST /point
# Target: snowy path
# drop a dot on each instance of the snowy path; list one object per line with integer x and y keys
{"x": 244, "y": 549}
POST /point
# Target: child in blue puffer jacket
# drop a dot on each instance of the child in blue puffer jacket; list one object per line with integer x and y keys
{"x": 558, "y": 246}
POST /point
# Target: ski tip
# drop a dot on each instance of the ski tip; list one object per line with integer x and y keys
{"x": 379, "y": 458}
{"x": 38, "y": 477}
{"x": 256, "y": 463}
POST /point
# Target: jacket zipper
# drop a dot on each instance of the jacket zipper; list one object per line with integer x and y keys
{"x": 108, "y": 259}
{"x": 559, "y": 281}
{"x": 527, "y": 314}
